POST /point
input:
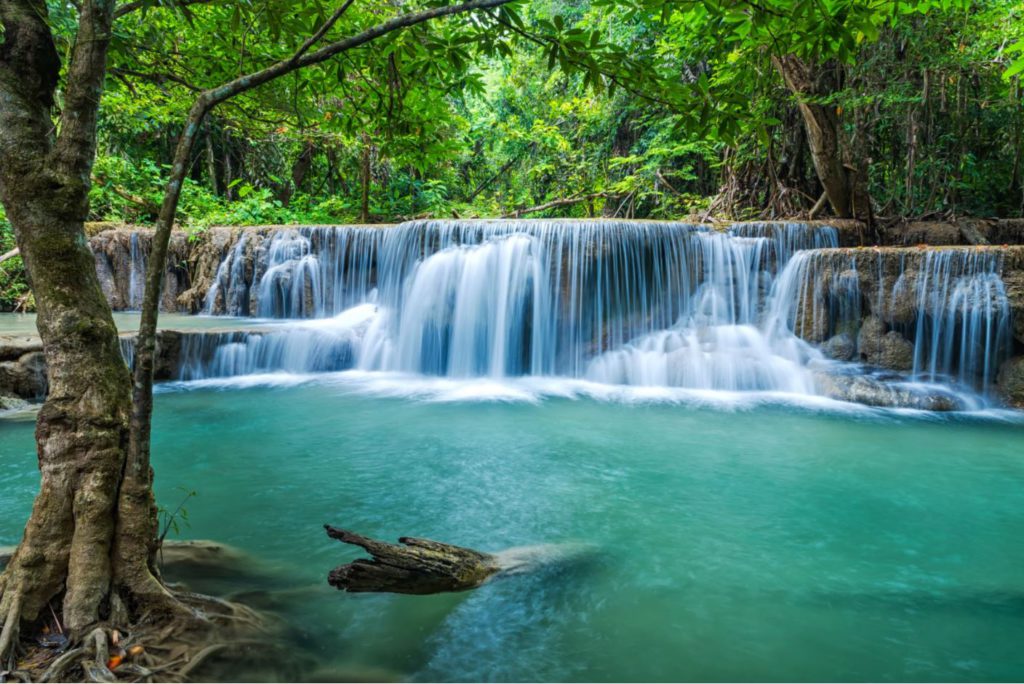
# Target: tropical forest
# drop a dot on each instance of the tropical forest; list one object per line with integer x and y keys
{"x": 511, "y": 340}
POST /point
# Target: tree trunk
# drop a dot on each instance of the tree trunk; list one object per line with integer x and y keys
{"x": 82, "y": 428}
{"x": 843, "y": 178}
{"x": 364, "y": 181}
{"x": 299, "y": 170}
{"x": 211, "y": 159}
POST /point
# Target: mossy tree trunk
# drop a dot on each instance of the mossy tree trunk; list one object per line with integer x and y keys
{"x": 67, "y": 556}
{"x": 843, "y": 176}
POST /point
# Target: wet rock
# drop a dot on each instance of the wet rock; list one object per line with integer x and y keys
{"x": 9, "y": 403}
{"x": 884, "y": 349}
{"x": 24, "y": 378}
{"x": 922, "y": 232}
{"x": 1011, "y": 381}
{"x": 901, "y": 306}
{"x": 13, "y": 348}
{"x": 841, "y": 347}
{"x": 1014, "y": 282}
{"x": 861, "y": 389}
{"x": 869, "y": 338}
{"x": 115, "y": 265}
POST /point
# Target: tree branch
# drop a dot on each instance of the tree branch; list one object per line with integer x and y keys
{"x": 303, "y": 59}
{"x": 322, "y": 31}
{"x": 565, "y": 202}
{"x": 130, "y": 7}
{"x": 75, "y": 149}
{"x": 9, "y": 255}
{"x": 138, "y": 460}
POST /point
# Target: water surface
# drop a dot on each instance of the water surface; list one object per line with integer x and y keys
{"x": 730, "y": 541}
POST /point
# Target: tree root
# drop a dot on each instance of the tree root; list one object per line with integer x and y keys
{"x": 9, "y": 633}
{"x": 171, "y": 649}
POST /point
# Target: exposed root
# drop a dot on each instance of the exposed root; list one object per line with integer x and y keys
{"x": 173, "y": 648}
{"x": 57, "y": 671}
{"x": 9, "y": 633}
{"x": 199, "y": 658}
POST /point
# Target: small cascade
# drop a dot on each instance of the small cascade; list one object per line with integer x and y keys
{"x": 229, "y": 293}
{"x": 963, "y": 327}
{"x": 320, "y": 346}
{"x": 136, "y": 273}
{"x": 942, "y": 315}
{"x": 303, "y": 272}
{"x": 786, "y": 239}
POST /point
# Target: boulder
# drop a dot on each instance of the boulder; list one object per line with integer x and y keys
{"x": 13, "y": 348}
{"x": 841, "y": 347}
{"x": 901, "y": 305}
{"x": 884, "y": 349}
{"x": 1011, "y": 381}
{"x": 862, "y": 389}
{"x": 24, "y": 378}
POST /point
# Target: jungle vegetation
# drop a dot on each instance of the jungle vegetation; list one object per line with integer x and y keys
{"x": 200, "y": 112}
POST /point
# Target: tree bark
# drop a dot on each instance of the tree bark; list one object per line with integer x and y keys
{"x": 82, "y": 428}
{"x": 843, "y": 178}
{"x": 299, "y": 171}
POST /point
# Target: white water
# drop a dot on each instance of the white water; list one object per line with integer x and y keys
{"x": 610, "y": 302}
{"x": 951, "y": 303}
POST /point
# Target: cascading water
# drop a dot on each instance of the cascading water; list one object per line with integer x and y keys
{"x": 616, "y": 302}
{"x": 588, "y": 299}
{"x": 949, "y": 304}
{"x": 136, "y": 273}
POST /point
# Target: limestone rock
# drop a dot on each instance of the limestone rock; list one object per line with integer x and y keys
{"x": 13, "y": 348}
{"x": 884, "y": 349}
{"x": 841, "y": 347}
{"x": 1011, "y": 381}
{"x": 860, "y": 389}
{"x": 27, "y": 379}
{"x": 112, "y": 251}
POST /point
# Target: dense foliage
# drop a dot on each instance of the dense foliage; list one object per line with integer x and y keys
{"x": 439, "y": 122}
{"x": 647, "y": 108}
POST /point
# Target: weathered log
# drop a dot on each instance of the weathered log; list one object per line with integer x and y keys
{"x": 414, "y": 566}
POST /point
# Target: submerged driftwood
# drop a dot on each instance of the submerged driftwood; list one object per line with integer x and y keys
{"x": 414, "y": 566}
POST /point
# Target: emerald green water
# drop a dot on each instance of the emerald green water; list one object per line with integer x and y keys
{"x": 701, "y": 543}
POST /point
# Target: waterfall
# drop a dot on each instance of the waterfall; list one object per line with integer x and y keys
{"x": 136, "y": 273}
{"x": 950, "y": 305}
{"x": 587, "y": 299}
{"x": 963, "y": 327}
{"x": 759, "y": 306}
